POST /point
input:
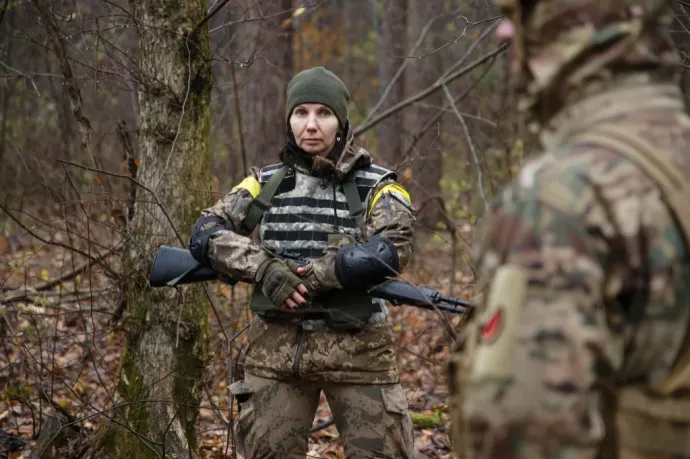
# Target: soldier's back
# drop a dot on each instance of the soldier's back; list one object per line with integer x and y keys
{"x": 627, "y": 177}
{"x": 599, "y": 344}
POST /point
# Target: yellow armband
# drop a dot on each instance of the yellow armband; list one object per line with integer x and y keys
{"x": 250, "y": 184}
{"x": 394, "y": 189}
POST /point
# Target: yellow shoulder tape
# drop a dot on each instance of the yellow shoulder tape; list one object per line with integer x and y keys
{"x": 386, "y": 189}
{"x": 250, "y": 184}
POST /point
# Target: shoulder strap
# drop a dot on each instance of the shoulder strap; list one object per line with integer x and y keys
{"x": 354, "y": 202}
{"x": 674, "y": 186}
{"x": 262, "y": 202}
{"x": 676, "y": 192}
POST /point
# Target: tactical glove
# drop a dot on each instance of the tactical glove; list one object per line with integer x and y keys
{"x": 319, "y": 275}
{"x": 277, "y": 280}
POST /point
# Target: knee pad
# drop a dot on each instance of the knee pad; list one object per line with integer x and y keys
{"x": 204, "y": 228}
{"x": 364, "y": 265}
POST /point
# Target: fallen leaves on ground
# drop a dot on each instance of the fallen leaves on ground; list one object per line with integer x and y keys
{"x": 61, "y": 354}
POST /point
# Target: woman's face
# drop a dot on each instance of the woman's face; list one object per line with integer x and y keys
{"x": 314, "y": 127}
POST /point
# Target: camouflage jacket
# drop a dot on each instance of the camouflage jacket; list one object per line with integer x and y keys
{"x": 587, "y": 296}
{"x": 367, "y": 356}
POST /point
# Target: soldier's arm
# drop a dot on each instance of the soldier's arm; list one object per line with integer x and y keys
{"x": 541, "y": 351}
{"x": 232, "y": 252}
{"x": 390, "y": 214}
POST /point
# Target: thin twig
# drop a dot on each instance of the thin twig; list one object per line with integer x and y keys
{"x": 238, "y": 115}
{"x": 73, "y": 91}
{"x": 427, "y": 125}
{"x": 322, "y": 425}
{"x": 403, "y": 66}
{"x": 67, "y": 276}
{"x": 58, "y": 244}
{"x": 475, "y": 157}
{"x": 462, "y": 35}
{"x": 475, "y": 44}
{"x": 136, "y": 182}
{"x": 428, "y": 91}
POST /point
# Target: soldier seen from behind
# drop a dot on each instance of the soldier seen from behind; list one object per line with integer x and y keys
{"x": 581, "y": 348}
{"x": 316, "y": 329}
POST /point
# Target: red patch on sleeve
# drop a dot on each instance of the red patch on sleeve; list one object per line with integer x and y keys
{"x": 493, "y": 327}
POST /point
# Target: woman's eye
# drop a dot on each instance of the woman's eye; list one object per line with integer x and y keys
{"x": 301, "y": 111}
{"x": 324, "y": 113}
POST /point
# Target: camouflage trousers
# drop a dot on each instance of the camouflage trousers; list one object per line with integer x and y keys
{"x": 275, "y": 420}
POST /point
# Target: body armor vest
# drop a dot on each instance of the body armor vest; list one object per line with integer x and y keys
{"x": 301, "y": 217}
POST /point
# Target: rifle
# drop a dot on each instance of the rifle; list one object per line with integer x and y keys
{"x": 176, "y": 266}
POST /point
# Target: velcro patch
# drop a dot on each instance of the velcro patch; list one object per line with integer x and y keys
{"x": 496, "y": 346}
{"x": 492, "y": 329}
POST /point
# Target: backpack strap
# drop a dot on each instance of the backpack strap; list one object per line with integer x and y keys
{"x": 670, "y": 180}
{"x": 262, "y": 202}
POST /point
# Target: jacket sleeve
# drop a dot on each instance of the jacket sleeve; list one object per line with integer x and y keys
{"x": 532, "y": 390}
{"x": 390, "y": 214}
{"x": 232, "y": 252}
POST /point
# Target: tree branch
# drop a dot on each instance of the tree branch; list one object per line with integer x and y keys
{"x": 462, "y": 35}
{"x": 428, "y": 91}
{"x": 55, "y": 35}
{"x": 403, "y": 66}
{"x": 136, "y": 182}
{"x": 65, "y": 277}
{"x": 59, "y": 244}
{"x": 440, "y": 113}
{"x": 480, "y": 183}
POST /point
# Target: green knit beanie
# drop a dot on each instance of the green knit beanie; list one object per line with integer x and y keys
{"x": 318, "y": 86}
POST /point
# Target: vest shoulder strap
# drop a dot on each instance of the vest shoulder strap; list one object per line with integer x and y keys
{"x": 272, "y": 180}
{"x": 354, "y": 202}
{"x": 357, "y": 188}
{"x": 676, "y": 192}
{"x": 262, "y": 202}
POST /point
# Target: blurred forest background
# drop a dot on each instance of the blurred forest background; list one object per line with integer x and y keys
{"x": 120, "y": 120}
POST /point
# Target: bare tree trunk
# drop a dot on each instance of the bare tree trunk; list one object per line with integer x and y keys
{"x": 348, "y": 13}
{"x": 6, "y": 91}
{"x": 266, "y": 46}
{"x": 427, "y": 161}
{"x": 390, "y": 46}
{"x": 159, "y": 386}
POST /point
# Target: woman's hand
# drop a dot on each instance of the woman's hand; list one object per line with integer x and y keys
{"x": 296, "y": 299}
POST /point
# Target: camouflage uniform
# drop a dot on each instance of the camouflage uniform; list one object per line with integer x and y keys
{"x": 581, "y": 348}
{"x": 357, "y": 370}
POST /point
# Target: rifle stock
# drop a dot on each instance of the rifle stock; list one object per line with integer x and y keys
{"x": 176, "y": 266}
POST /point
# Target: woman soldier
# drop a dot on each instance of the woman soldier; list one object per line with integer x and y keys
{"x": 351, "y": 225}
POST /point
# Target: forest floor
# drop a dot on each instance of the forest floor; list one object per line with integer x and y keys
{"x": 60, "y": 352}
